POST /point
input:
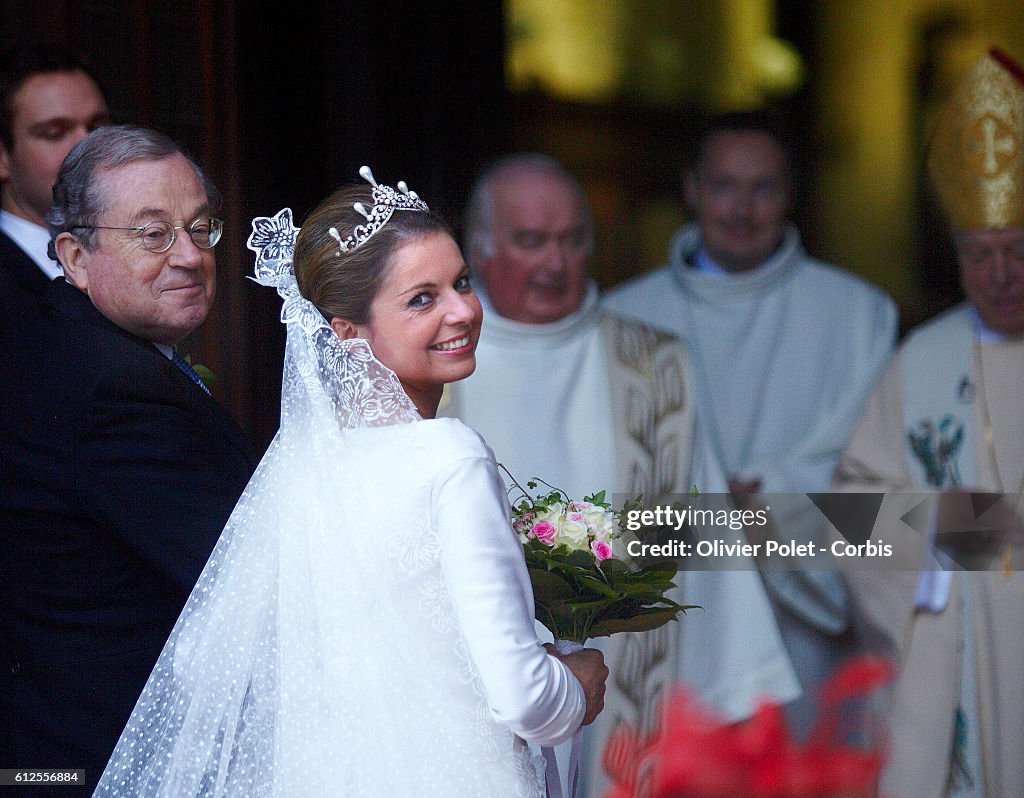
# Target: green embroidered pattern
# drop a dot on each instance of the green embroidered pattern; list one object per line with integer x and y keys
{"x": 936, "y": 447}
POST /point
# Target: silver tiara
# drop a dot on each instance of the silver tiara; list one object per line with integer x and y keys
{"x": 386, "y": 201}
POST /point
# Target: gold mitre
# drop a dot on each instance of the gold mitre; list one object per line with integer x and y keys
{"x": 976, "y": 160}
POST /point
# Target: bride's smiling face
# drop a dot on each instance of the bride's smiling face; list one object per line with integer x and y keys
{"x": 425, "y": 319}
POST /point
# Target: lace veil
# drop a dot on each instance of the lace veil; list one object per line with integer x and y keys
{"x": 248, "y": 641}
{"x": 323, "y": 375}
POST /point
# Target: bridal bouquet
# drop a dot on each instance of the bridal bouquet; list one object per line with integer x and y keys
{"x": 583, "y": 585}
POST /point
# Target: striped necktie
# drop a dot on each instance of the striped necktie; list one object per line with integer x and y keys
{"x": 190, "y": 372}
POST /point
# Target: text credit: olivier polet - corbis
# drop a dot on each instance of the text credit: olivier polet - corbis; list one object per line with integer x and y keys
{"x": 679, "y": 519}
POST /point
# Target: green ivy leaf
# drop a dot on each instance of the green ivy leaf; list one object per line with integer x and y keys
{"x": 599, "y": 587}
{"x": 646, "y": 621}
{"x": 548, "y": 588}
{"x": 581, "y": 559}
{"x": 613, "y": 566}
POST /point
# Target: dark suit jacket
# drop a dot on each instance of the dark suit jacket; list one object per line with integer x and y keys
{"x": 118, "y": 474}
{"x": 22, "y": 283}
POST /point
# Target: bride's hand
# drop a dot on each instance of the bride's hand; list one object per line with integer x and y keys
{"x": 589, "y": 669}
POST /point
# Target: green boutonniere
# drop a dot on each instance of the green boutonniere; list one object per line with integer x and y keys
{"x": 204, "y": 373}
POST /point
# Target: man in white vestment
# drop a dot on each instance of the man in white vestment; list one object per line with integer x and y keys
{"x": 948, "y": 416}
{"x": 785, "y": 350}
{"x": 589, "y": 401}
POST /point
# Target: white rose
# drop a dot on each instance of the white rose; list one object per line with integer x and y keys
{"x": 602, "y": 522}
{"x": 552, "y": 514}
{"x": 574, "y": 534}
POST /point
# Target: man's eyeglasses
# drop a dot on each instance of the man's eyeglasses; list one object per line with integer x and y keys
{"x": 205, "y": 232}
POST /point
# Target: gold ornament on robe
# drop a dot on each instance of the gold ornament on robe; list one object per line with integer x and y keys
{"x": 976, "y": 159}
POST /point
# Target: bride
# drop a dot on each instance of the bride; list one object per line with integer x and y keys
{"x": 364, "y": 626}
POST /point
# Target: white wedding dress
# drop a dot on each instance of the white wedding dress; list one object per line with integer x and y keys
{"x": 364, "y": 627}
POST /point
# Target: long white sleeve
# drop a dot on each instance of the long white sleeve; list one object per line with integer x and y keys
{"x": 528, "y": 690}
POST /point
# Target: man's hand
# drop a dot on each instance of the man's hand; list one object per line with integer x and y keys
{"x": 976, "y": 527}
{"x": 589, "y": 669}
{"x": 744, "y": 493}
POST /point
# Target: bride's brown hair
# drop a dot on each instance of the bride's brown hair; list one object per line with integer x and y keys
{"x": 343, "y": 284}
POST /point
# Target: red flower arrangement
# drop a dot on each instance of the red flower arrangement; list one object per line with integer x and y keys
{"x": 696, "y": 754}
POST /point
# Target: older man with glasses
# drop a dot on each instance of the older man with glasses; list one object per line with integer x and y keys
{"x": 119, "y": 469}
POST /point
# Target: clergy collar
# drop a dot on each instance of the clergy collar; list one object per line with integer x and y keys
{"x": 986, "y": 335}
{"x": 33, "y": 240}
{"x": 686, "y": 244}
{"x": 704, "y": 263}
{"x": 498, "y": 328}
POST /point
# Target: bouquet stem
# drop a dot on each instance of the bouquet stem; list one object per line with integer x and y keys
{"x": 551, "y": 774}
{"x": 568, "y": 646}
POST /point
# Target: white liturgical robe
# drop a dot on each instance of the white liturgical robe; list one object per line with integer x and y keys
{"x": 949, "y": 413}
{"x": 784, "y": 356}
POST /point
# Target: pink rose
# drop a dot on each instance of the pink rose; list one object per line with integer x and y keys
{"x": 545, "y": 532}
{"x": 602, "y": 551}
